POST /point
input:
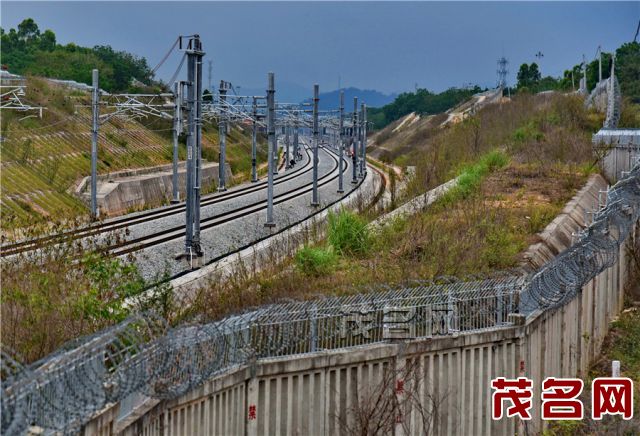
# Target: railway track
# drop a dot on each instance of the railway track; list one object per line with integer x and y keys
{"x": 132, "y": 245}
{"x": 178, "y": 232}
{"x": 121, "y": 223}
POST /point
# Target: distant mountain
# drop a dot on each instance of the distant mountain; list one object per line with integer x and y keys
{"x": 372, "y": 98}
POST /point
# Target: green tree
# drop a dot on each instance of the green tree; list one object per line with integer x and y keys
{"x": 523, "y": 76}
{"x": 528, "y": 76}
{"x": 628, "y": 70}
{"x": 28, "y": 30}
{"x": 48, "y": 41}
{"x": 27, "y": 51}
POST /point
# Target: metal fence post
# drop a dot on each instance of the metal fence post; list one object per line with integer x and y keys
{"x": 222, "y": 133}
{"x": 316, "y": 92}
{"x": 271, "y": 138}
{"x": 95, "y": 118}
{"x": 340, "y": 148}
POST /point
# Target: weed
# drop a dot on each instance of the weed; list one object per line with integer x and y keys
{"x": 471, "y": 177}
{"x": 315, "y": 261}
{"x": 348, "y": 233}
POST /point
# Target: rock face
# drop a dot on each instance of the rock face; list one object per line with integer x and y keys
{"x": 127, "y": 191}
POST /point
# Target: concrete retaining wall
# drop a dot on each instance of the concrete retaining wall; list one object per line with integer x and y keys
{"x": 127, "y": 191}
{"x": 622, "y": 148}
{"x": 441, "y": 384}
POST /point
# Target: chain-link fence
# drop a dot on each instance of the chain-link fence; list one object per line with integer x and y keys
{"x": 144, "y": 355}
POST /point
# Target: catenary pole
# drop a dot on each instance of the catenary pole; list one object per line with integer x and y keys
{"x": 254, "y": 150}
{"x": 194, "y": 103}
{"x": 316, "y": 140}
{"x": 222, "y": 133}
{"x": 271, "y": 138}
{"x": 340, "y": 146}
{"x": 287, "y": 131}
{"x": 363, "y": 164}
{"x": 296, "y": 145}
{"x": 95, "y": 96}
{"x": 199, "y": 54}
{"x": 354, "y": 140}
{"x": 176, "y": 135}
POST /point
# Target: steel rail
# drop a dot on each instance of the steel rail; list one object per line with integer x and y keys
{"x": 104, "y": 227}
{"x": 222, "y": 218}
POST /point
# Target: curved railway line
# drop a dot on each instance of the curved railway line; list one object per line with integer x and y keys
{"x": 136, "y": 244}
{"x": 139, "y": 243}
{"x": 120, "y": 223}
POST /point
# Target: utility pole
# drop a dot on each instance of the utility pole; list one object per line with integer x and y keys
{"x": 95, "y": 118}
{"x": 354, "y": 139}
{"x": 271, "y": 138}
{"x": 222, "y": 133}
{"x": 194, "y": 151}
{"x": 340, "y": 147}
{"x": 254, "y": 150}
{"x": 316, "y": 140}
{"x": 363, "y": 163}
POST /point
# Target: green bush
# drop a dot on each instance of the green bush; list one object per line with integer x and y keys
{"x": 315, "y": 261}
{"x": 348, "y": 233}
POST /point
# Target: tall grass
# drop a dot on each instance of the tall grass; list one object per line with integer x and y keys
{"x": 348, "y": 233}
{"x": 471, "y": 176}
{"x": 315, "y": 261}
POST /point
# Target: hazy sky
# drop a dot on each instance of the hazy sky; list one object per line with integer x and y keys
{"x": 388, "y": 46}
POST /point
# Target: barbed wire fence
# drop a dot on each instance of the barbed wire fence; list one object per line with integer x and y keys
{"x": 144, "y": 355}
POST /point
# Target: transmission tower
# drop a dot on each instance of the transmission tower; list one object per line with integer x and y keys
{"x": 502, "y": 72}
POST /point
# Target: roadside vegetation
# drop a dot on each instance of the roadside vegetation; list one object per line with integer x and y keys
{"x": 62, "y": 292}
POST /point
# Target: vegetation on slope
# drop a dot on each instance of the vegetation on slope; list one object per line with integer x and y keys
{"x": 422, "y": 102}
{"x": 627, "y": 71}
{"x": 519, "y": 168}
{"x": 43, "y": 159}
{"x": 63, "y": 292}
{"x": 28, "y": 51}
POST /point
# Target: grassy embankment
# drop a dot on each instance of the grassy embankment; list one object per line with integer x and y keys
{"x": 43, "y": 159}
{"x": 512, "y": 187}
{"x": 519, "y": 162}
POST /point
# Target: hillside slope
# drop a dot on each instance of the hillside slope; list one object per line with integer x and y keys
{"x": 43, "y": 159}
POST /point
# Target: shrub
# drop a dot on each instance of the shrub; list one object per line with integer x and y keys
{"x": 348, "y": 233}
{"x": 315, "y": 261}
